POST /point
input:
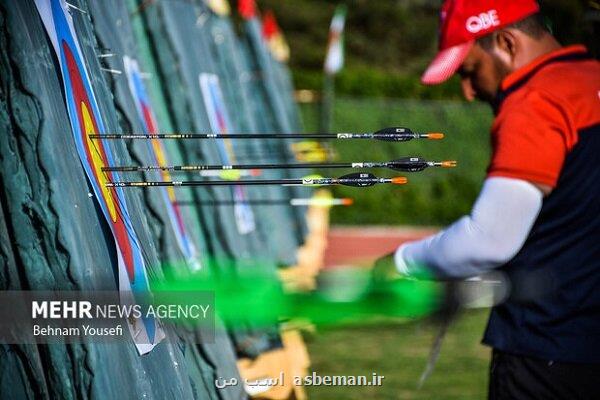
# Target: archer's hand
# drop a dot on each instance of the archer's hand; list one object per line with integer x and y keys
{"x": 384, "y": 270}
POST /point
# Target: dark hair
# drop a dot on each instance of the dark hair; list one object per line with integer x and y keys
{"x": 534, "y": 26}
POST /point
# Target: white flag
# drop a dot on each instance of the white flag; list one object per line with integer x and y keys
{"x": 334, "y": 61}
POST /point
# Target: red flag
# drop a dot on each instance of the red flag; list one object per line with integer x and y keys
{"x": 270, "y": 27}
{"x": 247, "y": 8}
{"x": 274, "y": 37}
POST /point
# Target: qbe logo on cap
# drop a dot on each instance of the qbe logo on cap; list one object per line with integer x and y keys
{"x": 485, "y": 20}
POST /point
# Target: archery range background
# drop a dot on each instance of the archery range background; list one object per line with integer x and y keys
{"x": 52, "y": 236}
{"x": 46, "y": 242}
{"x": 388, "y": 45}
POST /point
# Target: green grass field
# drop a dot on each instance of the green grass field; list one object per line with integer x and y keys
{"x": 399, "y": 352}
{"x": 432, "y": 197}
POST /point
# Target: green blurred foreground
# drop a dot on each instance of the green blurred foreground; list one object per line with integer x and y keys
{"x": 343, "y": 295}
{"x": 432, "y": 197}
{"x": 362, "y": 329}
{"x": 399, "y": 352}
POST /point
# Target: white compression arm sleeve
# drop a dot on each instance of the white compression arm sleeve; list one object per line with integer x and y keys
{"x": 493, "y": 234}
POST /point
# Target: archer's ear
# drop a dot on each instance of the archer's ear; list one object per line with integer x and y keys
{"x": 506, "y": 42}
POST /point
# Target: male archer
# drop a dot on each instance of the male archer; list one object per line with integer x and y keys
{"x": 537, "y": 218}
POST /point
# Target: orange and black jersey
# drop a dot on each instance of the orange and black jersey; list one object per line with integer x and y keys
{"x": 547, "y": 131}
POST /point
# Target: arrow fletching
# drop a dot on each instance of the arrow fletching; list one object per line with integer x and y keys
{"x": 394, "y": 134}
{"x": 358, "y": 180}
{"x": 417, "y": 164}
{"x": 409, "y": 164}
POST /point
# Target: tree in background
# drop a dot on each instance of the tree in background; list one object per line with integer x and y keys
{"x": 388, "y": 42}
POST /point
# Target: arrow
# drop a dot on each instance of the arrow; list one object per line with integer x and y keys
{"x": 395, "y": 134}
{"x": 354, "y": 180}
{"x": 305, "y": 202}
{"x": 407, "y": 164}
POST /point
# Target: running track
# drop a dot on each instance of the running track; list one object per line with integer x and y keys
{"x": 362, "y": 245}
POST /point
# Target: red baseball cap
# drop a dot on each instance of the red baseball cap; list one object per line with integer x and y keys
{"x": 464, "y": 21}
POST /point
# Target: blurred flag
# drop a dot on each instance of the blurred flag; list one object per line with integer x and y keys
{"x": 334, "y": 61}
{"x": 219, "y": 7}
{"x": 274, "y": 38}
{"x": 247, "y": 8}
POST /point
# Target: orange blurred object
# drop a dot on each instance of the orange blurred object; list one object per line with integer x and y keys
{"x": 400, "y": 180}
{"x": 435, "y": 136}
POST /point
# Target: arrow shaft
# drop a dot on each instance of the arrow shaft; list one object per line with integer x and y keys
{"x": 398, "y": 137}
{"x": 408, "y": 164}
{"x": 213, "y": 136}
{"x": 219, "y": 167}
{"x": 301, "y": 182}
{"x": 394, "y": 134}
{"x": 207, "y": 183}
